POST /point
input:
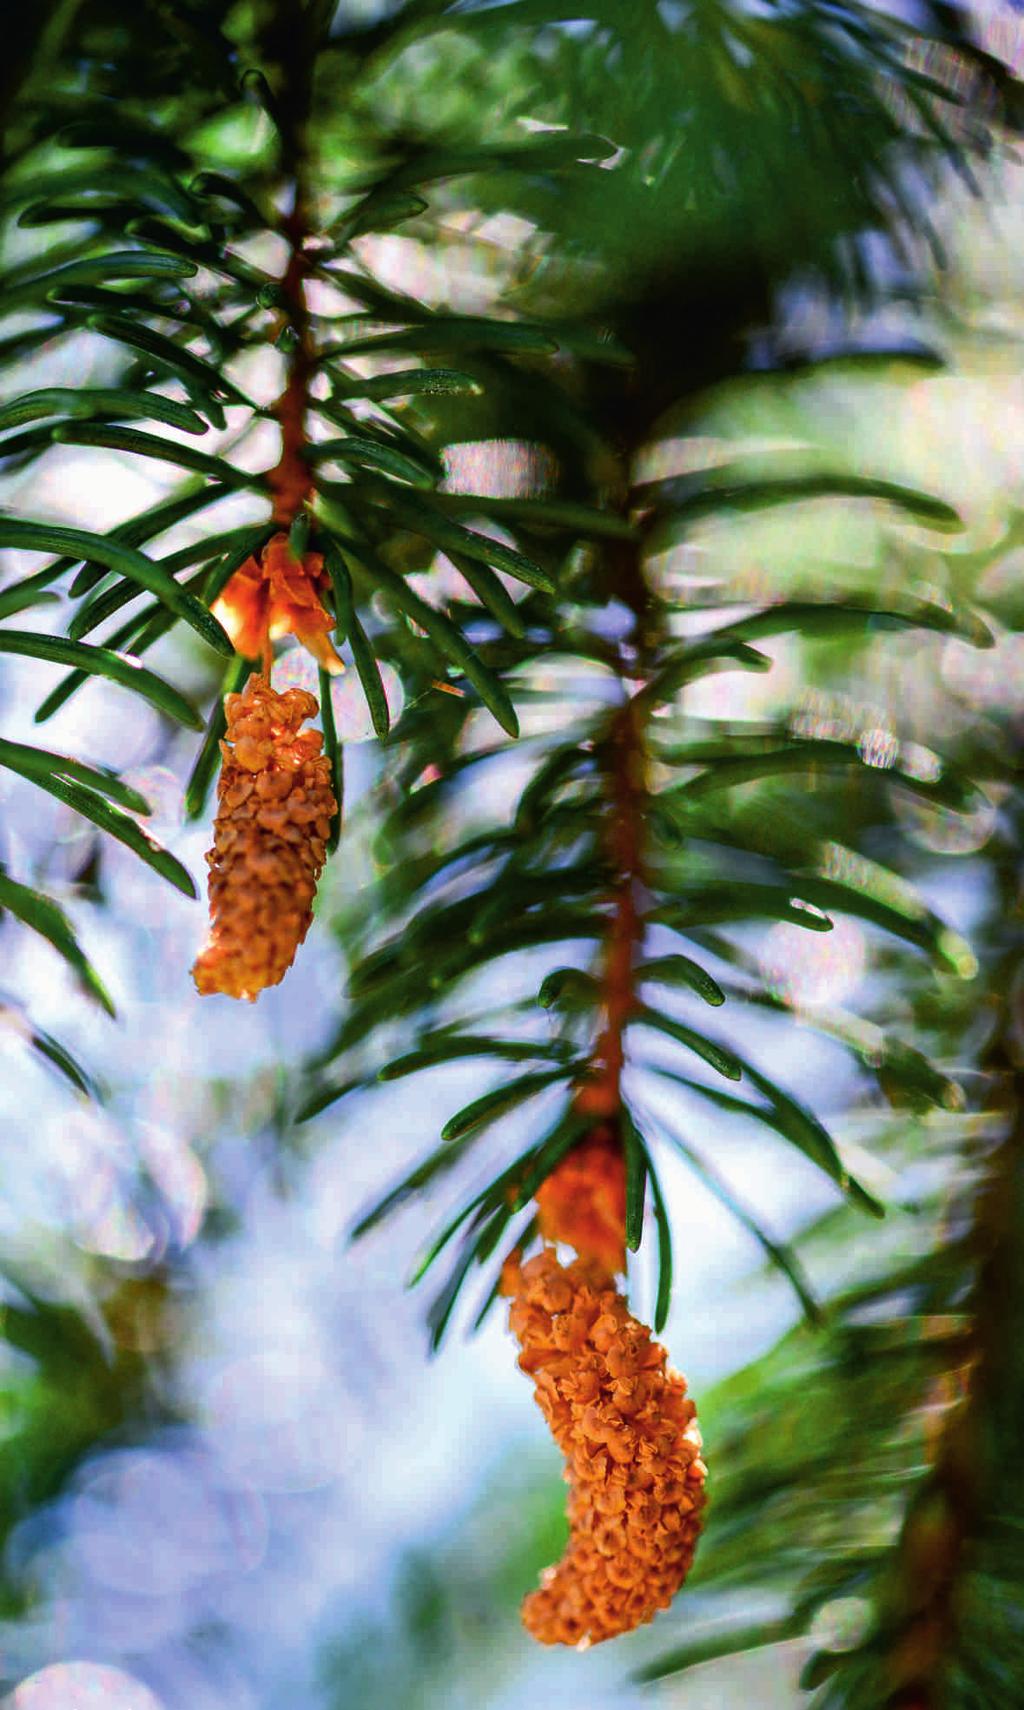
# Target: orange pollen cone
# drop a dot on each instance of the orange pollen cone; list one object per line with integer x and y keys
{"x": 275, "y": 805}
{"x": 277, "y": 594}
{"x": 632, "y": 1448}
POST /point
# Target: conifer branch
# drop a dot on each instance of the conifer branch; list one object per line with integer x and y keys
{"x": 291, "y": 480}
{"x": 623, "y": 836}
{"x": 624, "y": 764}
{"x": 957, "y": 1504}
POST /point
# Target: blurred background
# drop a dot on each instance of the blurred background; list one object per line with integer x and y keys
{"x": 229, "y": 1473}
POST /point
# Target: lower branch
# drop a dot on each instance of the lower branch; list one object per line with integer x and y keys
{"x": 602, "y": 1096}
{"x": 949, "y": 1516}
{"x": 583, "y": 1202}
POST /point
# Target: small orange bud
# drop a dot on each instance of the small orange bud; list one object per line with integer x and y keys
{"x": 277, "y": 594}
{"x": 583, "y": 1201}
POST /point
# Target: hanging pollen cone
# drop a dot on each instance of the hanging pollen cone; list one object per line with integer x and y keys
{"x": 632, "y": 1448}
{"x": 275, "y": 805}
{"x": 620, "y": 1417}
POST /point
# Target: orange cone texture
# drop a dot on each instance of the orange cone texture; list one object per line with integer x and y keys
{"x": 278, "y": 594}
{"x": 629, "y": 1434}
{"x": 275, "y": 805}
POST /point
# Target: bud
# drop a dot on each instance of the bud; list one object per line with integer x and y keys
{"x": 632, "y": 1448}
{"x": 583, "y": 1200}
{"x": 279, "y": 594}
{"x": 275, "y": 806}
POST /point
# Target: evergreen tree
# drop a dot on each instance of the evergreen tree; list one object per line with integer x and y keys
{"x": 203, "y": 190}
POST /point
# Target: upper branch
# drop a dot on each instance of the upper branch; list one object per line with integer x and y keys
{"x": 291, "y": 46}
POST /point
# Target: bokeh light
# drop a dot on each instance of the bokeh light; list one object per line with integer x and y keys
{"x": 348, "y": 702}
{"x": 500, "y": 468}
{"x": 809, "y": 969}
{"x": 82, "y": 1686}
